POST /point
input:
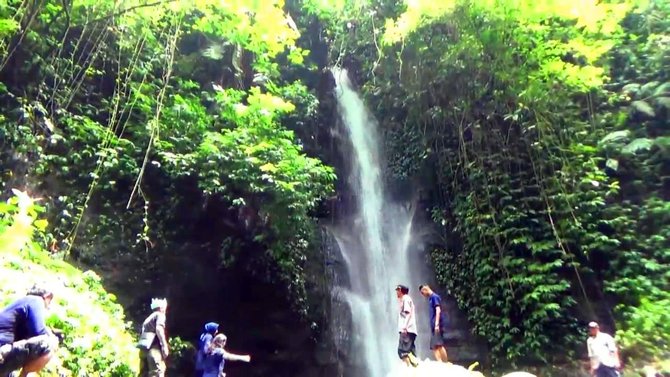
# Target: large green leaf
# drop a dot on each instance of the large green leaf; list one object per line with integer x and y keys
{"x": 638, "y": 145}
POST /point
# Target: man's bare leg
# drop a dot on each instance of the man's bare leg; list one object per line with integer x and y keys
{"x": 436, "y": 354}
{"x": 443, "y": 353}
{"x": 35, "y": 365}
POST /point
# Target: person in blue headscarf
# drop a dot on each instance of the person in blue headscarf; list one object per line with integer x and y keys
{"x": 211, "y": 329}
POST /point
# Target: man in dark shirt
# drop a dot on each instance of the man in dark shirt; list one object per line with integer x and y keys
{"x": 25, "y": 341}
{"x": 437, "y": 323}
{"x": 153, "y": 343}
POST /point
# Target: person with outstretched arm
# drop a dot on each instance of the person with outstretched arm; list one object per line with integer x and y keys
{"x": 211, "y": 329}
{"x": 437, "y": 323}
{"x": 215, "y": 359}
{"x": 153, "y": 342}
{"x": 26, "y": 343}
{"x": 406, "y": 327}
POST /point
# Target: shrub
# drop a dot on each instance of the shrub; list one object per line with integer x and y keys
{"x": 97, "y": 341}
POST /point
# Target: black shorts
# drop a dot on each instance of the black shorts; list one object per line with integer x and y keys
{"x": 406, "y": 344}
{"x": 436, "y": 339}
{"x": 14, "y": 356}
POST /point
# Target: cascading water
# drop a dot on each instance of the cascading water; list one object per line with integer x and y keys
{"x": 374, "y": 243}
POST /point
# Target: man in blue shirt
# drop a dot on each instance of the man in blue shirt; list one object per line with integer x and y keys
{"x": 438, "y": 323}
{"x": 25, "y": 341}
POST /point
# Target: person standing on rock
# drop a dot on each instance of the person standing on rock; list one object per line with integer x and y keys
{"x": 603, "y": 353}
{"x": 406, "y": 327}
{"x": 153, "y": 342}
{"x": 437, "y": 323}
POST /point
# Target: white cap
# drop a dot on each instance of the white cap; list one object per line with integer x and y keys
{"x": 593, "y": 324}
{"x": 158, "y": 303}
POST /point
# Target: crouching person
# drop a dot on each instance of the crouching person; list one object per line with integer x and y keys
{"x": 26, "y": 343}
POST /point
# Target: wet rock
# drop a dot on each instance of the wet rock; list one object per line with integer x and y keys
{"x": 643, "y": 109}
{"x": 429, "y": 368}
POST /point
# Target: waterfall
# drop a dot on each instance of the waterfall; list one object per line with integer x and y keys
{"x": 376, "y": 243}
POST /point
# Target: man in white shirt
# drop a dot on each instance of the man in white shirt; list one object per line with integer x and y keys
{"x": 602, "y": 352}
{"x": 406, "y": 327}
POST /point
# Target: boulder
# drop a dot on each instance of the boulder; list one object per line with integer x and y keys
{"x": 429, "y": 368}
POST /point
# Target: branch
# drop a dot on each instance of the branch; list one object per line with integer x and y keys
{"x": 124, "y": 11}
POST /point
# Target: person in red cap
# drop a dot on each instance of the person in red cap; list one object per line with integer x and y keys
{"x": 603, "y": 353}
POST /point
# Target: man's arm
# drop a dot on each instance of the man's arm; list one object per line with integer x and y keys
{"x": 438, "y": 313}
{"x": 592, "y": 357}
{"x": 36, "y": 319}
{"x": 160, "y": 333}
{"x": 406, "y": 310}
{"x": 611, "y": 344}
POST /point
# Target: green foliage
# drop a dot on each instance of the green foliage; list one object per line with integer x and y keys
{"x": 122, "y": 107}
{"x": 97, "y": 340}
{"x": 182, "y": 356}
{"x": 503, "y": 104}
{"x": 541, "y": 125}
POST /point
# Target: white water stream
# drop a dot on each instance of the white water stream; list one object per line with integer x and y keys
{"x": 376, "y": 243}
